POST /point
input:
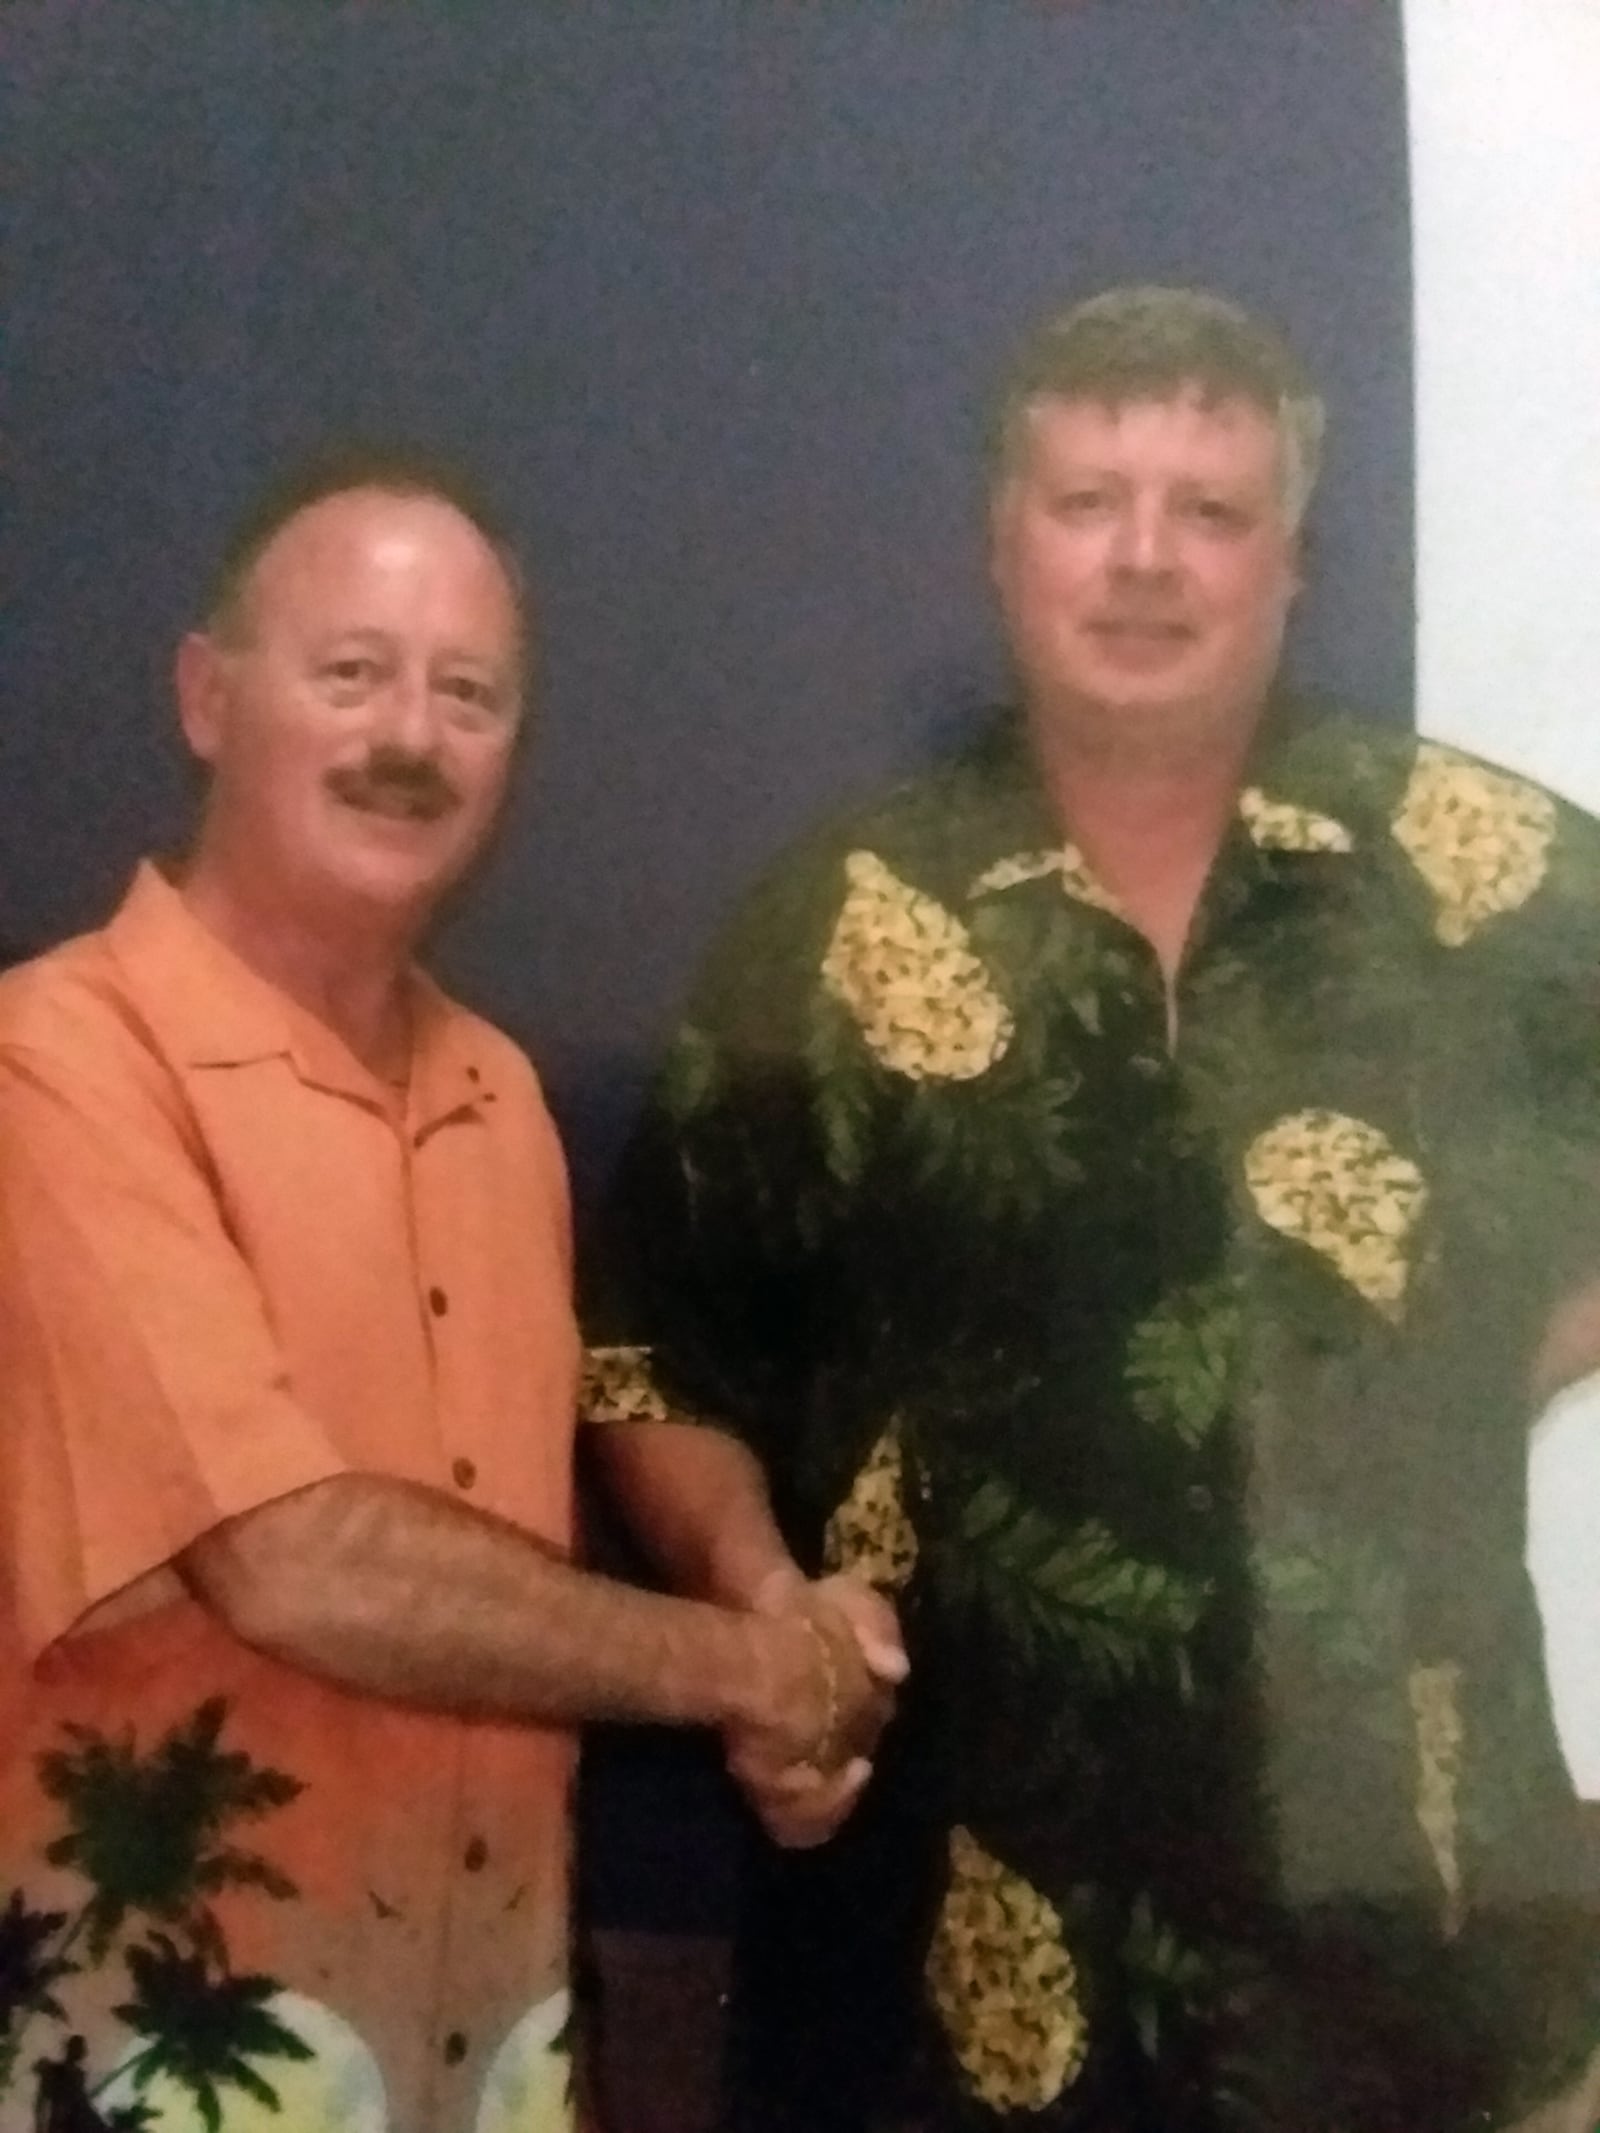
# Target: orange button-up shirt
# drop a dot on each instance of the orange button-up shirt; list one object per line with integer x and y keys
{"x": 231, "y": 1265}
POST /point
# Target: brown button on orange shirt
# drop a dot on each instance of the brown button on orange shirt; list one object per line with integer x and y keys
{"x": 229, "y": 1268}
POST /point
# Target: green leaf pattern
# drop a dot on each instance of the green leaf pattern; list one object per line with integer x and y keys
{"x": 1178, "y": 1393}
{"x": 150, "y": 1834}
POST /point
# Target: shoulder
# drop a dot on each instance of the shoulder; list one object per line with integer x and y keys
{"x": 935, "y": 830}
{"x": 87, "y": 1092}
{"x": 70, "y": 1013}
{"x": 49, "y": 990}
{"x": 1377, "y": 768}
{"x": 1491, "y": 855}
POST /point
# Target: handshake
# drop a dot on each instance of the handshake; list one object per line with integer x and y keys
{"x": 836, "y": 1659}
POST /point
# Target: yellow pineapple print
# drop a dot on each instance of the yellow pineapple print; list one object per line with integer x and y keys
{"x": 1436, "y": 1712}
{"x": 904, "y": 967}
{"x": 1003, "y": 1983}
{"x": 1280, "y": 826}
{"x": 617, "y": 1386}
{"x": 1337, "y": 1184}
{"x": 1479, "y": 838}
{"x": 1067, "y": 861}
{"x": 870, "y": 1532}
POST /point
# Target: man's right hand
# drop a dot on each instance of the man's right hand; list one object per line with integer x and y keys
{"x": 802, "y": 1789}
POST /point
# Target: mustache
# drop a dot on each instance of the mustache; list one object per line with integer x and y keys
{"x": 393, "y": 781}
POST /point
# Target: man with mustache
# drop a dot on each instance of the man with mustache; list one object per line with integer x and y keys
{"x": 1130, "y": 1190}
{"x": 292, "y": 1644}
{"x": 391, "y": 782}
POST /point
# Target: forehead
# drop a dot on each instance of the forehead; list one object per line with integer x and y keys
{"x": 368, "y": 556}
{"x": 1189, "y": 431}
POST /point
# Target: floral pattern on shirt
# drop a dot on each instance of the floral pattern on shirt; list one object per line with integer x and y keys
{"x": 870, "y": 1532}
{"x": 1004, "y": 1984}
{"x": 1337, "y": 1185}
{"x": 1277, "y": 826}
{"x": 616, "y": 1386}
{"x": 1479, "y": 838}
{"x": 904, "y": 968}
{"x": 1203, "y": 1498}
{"x": 1067, "y": 864}
{"x": 1436, "y": 1708}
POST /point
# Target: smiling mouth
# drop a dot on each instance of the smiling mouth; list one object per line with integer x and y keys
{"x": 1140, "y": 642}
{"x": 1142, "y": 629}
{"x": 395, "y": 806}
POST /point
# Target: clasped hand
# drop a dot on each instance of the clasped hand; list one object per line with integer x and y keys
{"x": 804, "y": 1776}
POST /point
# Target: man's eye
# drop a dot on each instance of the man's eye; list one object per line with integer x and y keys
{"x": 473, "y": 691}
{"x": 1077, "y": 503}
{"x": 1218, "y": 512}
{"x": 350, "y": 672}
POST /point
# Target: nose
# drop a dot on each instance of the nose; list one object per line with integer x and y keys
{"x": 411, "y": 719}
{"x": 1144, "y": 544}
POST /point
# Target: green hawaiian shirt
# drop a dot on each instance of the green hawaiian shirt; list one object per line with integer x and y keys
{"x": 1178, "y": 1392}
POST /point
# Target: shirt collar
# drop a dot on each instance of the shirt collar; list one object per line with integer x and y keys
{"x": 1018, "y": 837}
{"x": 215, "y": 1012}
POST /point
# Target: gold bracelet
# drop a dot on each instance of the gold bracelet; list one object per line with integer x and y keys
{"x": 821, "y": 1753}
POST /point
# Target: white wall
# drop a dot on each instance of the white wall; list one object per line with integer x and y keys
{"x": 1505, "y": 138}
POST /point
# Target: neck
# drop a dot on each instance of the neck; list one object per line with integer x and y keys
{"x": 1148, "y": 813}
{"x": 349, "y": 970}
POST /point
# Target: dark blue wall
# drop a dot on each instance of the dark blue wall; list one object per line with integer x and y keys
{"x": 714, "y": 288}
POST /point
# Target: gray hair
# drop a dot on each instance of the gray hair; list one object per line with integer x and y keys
{"x": 1148, "y": 343}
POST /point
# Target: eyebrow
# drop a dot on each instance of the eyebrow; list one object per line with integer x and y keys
{"x": 367, "y": 632}
{"x": 374, "y": 633}
{"x": 464, "y": 651}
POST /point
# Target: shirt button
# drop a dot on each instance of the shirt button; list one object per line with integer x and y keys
{"x": 438, "y": 1302}
{"x": 463, "y": 1473}
{"x": 1200, "y": 1498}
{"x": 473, "y": 1074}
{"x": 455, "y": 2048}
{"x": 475, "y": 1857}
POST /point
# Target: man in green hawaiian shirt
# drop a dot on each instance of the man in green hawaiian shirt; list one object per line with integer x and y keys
{"x": 1128, "y": 1191}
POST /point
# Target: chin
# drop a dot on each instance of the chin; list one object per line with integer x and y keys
{"x": 1136, "y": 709}
{"x": 1157, "y": 685}
{"x": 388, "y": 886}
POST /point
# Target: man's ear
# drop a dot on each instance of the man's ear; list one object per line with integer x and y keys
{"x": 203, "y": 688}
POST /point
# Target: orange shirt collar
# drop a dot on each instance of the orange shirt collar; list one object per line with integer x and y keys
{"x": 218, "y": 1012}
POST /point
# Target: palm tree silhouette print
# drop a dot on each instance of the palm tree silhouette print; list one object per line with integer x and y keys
{"x": 154, "y": 1837}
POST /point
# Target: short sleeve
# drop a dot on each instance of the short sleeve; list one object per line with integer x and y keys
{"x": 705, "y": 1292}
{"x": 143, "y": 1399}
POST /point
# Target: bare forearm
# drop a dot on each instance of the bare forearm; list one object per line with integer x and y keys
{"x": 391, "y": 1589}
{"x": 697, "y": 1500}
{"x": 1570, "y": 1349}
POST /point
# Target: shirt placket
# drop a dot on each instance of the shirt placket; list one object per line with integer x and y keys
{"x": 490, "y": 1916}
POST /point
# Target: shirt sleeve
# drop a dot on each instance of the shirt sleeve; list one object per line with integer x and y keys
{"x": 707, "y": 1292}
{"x": 143, "y": 1398}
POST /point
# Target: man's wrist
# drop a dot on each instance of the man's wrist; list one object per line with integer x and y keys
{"x": 791, "y": 1684}
{"x": 823, "y": 1750}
